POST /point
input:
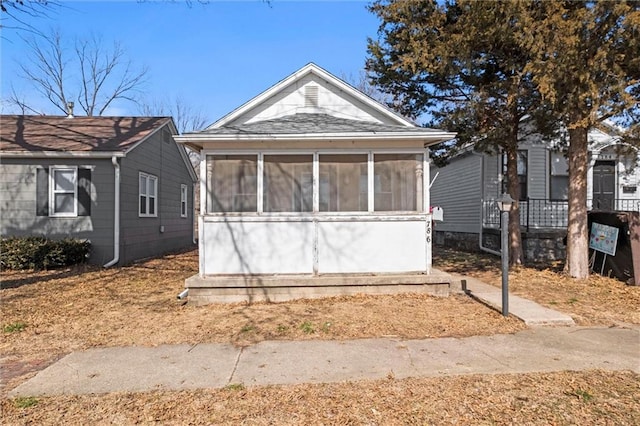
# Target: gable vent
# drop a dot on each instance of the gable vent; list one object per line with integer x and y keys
{"x": 311, "y": 96}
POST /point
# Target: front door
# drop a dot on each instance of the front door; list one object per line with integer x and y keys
{"x": 604, "y": 185}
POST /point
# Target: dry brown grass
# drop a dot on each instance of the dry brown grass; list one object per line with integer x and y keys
{"x": 596, "y": 301}
{"x": 564, "y": 398}
{"x": 79, "y": 308}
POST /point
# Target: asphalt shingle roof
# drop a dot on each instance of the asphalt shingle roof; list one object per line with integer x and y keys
{"x": 306, "y": 123}
{"x": 33, "y": 133}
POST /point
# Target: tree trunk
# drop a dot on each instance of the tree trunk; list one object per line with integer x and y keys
{"x": 513, "y": 188}
{"x": 577, "y": 264}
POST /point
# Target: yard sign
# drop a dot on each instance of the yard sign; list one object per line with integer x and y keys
{"x": 603, "y": 238}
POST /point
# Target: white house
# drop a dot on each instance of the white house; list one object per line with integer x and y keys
{"x": 312, "y": 181}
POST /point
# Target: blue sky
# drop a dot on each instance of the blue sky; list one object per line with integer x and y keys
{"x": 216, "y": 56}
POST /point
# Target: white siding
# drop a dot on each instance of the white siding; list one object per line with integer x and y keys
{"x": 324, "y": 244}
{"x": 331, "y": 100}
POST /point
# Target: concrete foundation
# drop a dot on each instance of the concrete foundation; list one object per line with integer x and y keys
{"x": 279, "y": 288}
{"x": 538, "y": 245}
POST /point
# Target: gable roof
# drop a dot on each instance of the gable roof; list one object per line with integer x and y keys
{"x": 90, "y": 136}
{"x": 321, "y": 74}
{"x": 312, "y": 104}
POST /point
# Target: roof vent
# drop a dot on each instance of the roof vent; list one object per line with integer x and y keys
{"x": 70, "y": 109}
{"x": 311, "y": 96}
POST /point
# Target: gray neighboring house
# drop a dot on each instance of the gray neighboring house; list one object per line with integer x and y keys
{"x": 121, "y": 182}
{"x": 468, "y": 186}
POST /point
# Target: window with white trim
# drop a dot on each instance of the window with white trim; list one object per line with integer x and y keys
{"x": 63, "y": 191}
{"x": 183, "y": 200}
{"x": 558, "y": 176}
{"x": 148, "y": 205}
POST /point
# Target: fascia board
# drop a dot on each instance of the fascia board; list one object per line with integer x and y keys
{"x": 418, "y": 136}
{"x": 59, "y": 154}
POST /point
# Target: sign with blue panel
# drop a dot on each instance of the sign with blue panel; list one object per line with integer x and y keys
{"x": 603, "y": 238}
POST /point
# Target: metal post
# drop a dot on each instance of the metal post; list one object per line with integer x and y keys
{"x": 505, "y": 262}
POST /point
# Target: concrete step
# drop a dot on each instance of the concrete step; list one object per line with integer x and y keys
{"x": 278, "y": 288}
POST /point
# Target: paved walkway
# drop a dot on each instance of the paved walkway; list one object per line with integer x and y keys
{"x": 176, "y": 367}
{"x": 529, "y": 312}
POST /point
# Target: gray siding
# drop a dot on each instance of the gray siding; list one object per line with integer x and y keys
{"x": 18, "y": 204}
{"x": 143, "y": 237}
{"x": 458, "y": 190}
{"x": 491, "y": 177}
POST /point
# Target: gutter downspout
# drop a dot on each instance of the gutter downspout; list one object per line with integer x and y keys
{"x": 483, "y": 248}
{"x": 116, "y": 214}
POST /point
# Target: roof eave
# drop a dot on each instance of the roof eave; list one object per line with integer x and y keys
{"x": 429, "y": 138}
{"x": 61, "y": 154}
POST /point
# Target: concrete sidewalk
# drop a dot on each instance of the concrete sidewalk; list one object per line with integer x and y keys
{"x": 177, "y": 367}
{"x": 529, "y": 312}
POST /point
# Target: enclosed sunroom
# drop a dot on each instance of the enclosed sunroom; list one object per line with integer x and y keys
{"x": 312, "y": 188}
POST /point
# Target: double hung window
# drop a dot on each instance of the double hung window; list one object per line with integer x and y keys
{"x": 183, "y": 200}
{"x": 63, "y": 191}
{"x": 148, "y": 189}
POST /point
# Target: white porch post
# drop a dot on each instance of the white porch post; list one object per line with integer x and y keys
{"x": 426, "y": 174}
{"x": 204, "y": 195}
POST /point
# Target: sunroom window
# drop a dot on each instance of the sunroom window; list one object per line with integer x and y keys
{"x": 288, "y": 183}
{"x": 343, "y": 183}
{"x": 232, "y": 183}
{"x": 397, "y": 182}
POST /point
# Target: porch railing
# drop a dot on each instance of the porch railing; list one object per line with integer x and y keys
{"x": 540, "y": 213}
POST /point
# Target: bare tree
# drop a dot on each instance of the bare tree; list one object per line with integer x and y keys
{"x": 90, "y": 74}
{"x": 16, "y": 14}
{"x": 187, "y": 118}
{"x": 363, "y": 84}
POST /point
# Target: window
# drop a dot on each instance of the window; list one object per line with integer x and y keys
{"x": 343, "y": 183}
{"x": 288, "y": 183}
{"x": 559, "y": 177}
{"x": 183, "y": 200}
{"x": 63, "y": 191}
{"x": 397, "y": 182}
{"x": 232, "y": 183}
{"x": 522, "y": 173}
{"x": 148, "y": 198}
